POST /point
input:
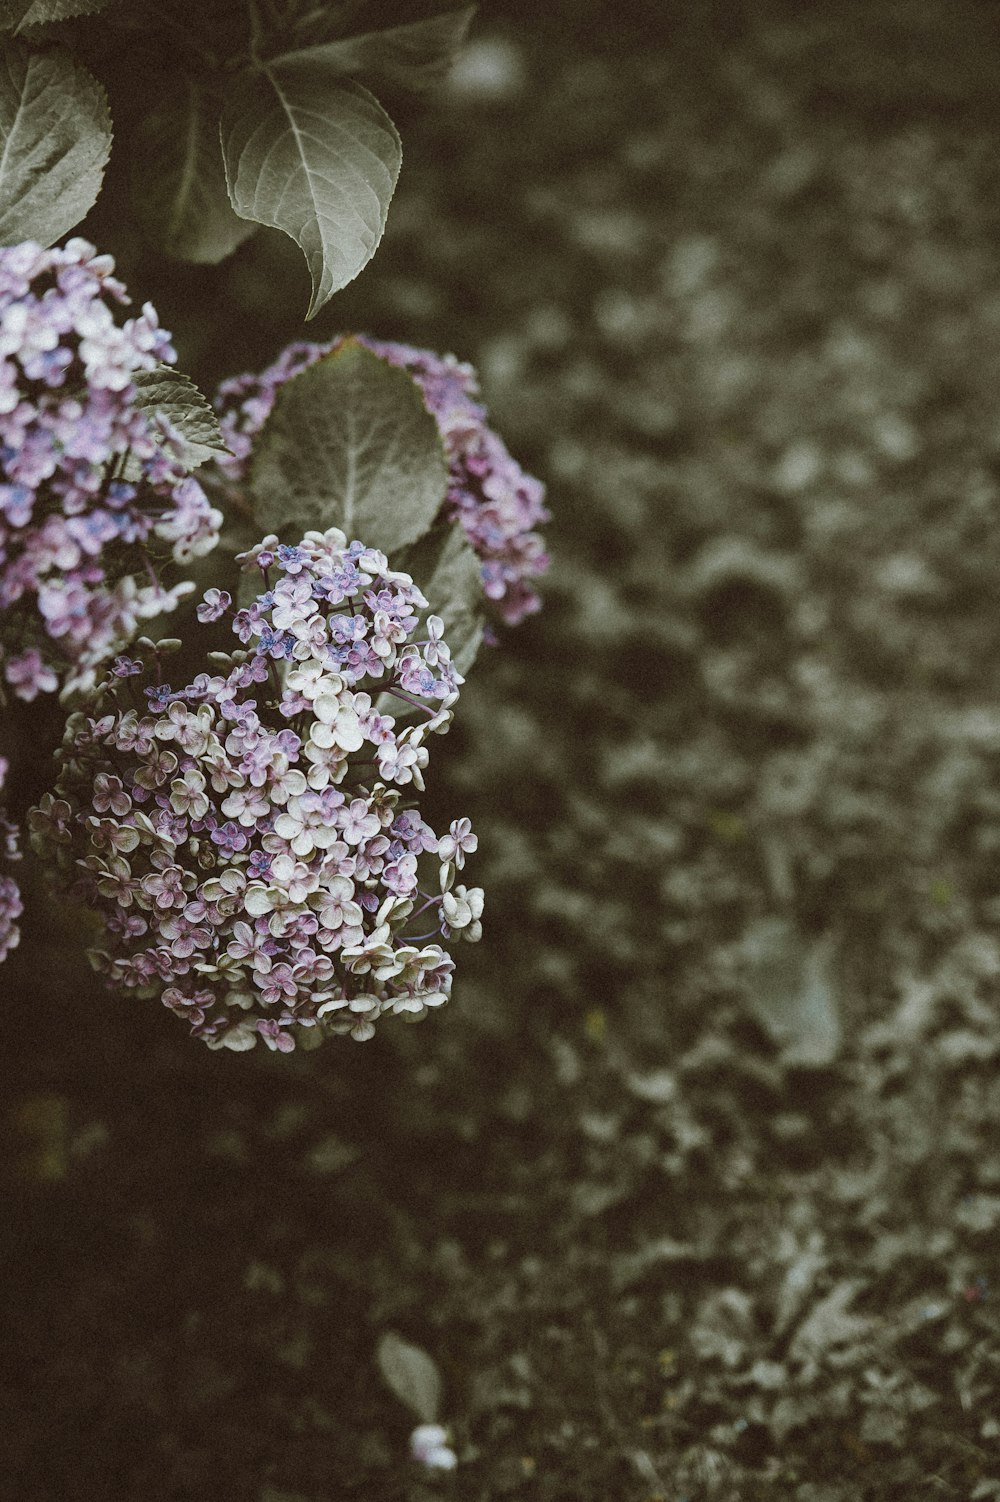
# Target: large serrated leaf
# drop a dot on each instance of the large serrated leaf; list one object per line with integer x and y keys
{"x": 412, "y": 1376}
{"x": 55, "y": 139}
{"x": 413, "y": 55}
{"x": 447, "y": 570}
{"x": 315, "y": 155}
{"x": 179, "y": 181}
{"x": 44, "y": 12}
{"x": 176, "y": 397}
{"x": 350, "y": 444}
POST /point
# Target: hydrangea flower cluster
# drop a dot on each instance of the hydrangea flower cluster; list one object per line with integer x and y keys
{"x": 10, "y": 896}
{"x": 250, "y": 841}
{"x": 496, "y": 503}
{"x": 92, "y": 494}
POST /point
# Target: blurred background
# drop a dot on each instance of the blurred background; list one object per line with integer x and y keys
{"x": 694, "y": 1191}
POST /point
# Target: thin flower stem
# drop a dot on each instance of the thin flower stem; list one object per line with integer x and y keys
{"x": 399, "y": 694}
{"x": 431, "y": 902}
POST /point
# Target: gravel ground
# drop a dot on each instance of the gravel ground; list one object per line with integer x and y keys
{"x": 695, "y": 1191}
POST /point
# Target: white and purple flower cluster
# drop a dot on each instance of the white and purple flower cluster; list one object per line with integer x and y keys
{"x": 10, "y": 896}
{"x": 251, "y": 842}
{"x": 90, "y": 496}
{"x": 496, "y": 503}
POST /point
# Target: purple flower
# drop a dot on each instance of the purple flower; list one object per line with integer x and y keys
{"x": 357, "y": 822}
{"x": 230, "y": 838}
{"x": 109, "y": 795}
{"x": 234, "y": 876}
{"x": 165, "y": 887}
{"x": 274, "y": 1037}
{"x": 28, "y": 675}
{"x": 400, "y": 876}
{"x": 215, "y": 603}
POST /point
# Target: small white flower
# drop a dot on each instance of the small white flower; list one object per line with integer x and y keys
{"x": 239, "y": 1038}
{"x": 463, "y": 909}
{"x": 339, "y": 724}
{"x": 429, "y": 1447}
{"x": 458, "y": 842}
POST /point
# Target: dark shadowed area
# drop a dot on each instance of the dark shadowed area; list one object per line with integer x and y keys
{"x": 693, "y": 1194}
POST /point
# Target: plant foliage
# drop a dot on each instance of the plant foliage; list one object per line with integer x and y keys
{"x": 315, "y": 155}
{"x": 260, "y": 119}
{"x": 350, "y": 444}
{"x": 55, "y": 140}
{"x": 170, "y": 394}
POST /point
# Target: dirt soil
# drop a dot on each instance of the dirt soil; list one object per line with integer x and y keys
{"x": 694, "y": 1192}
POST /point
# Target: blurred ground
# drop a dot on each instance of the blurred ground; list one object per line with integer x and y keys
{"x": 695, "y": 1192}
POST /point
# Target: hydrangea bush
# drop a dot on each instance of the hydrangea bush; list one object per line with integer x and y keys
{"x": 251, "y": 842}
{"x": 244, "y": 832}
{"x": 497, "y": 505}
{"x": 246, "y": 835}
{"x": 96, "y": 508}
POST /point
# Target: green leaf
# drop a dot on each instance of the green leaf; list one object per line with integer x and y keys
{"x": 412, "y": 1376}
{"x": 350, "y": 444}
{"x": 179, "y": 181}
{"x": 43, "y": 12}
{"x": 447, "y": 570}
{"x": 314, "y": 155}
{"x": 792, "y": 992}
{"x": 170, "y": 393}
{"x": 55, "y": 139}
{"x": 413, "y": 55}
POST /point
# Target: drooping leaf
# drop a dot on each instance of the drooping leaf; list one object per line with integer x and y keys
{"x": 447, "y": 570}
{"x": 177, "y": 398}
{"x": 791, "y": 992}
{"x": 413, "y": 55}
{"x": 55, "y": 139}
{"x": 412, "y": 1376}
{"x": 179, "y": 181}
{"x": 315, "y": 155}
{"x": 43, "y": 12}
{"x": 350, "y": 444}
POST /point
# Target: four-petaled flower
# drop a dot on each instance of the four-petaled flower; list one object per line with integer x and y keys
{"x": 458, "y": 842}
{"x": 214, "y": 604}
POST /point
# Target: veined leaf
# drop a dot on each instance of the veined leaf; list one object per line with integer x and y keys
{"x": 412, "y": 1376}
{"x": 447, "y": 570}
{"x": 55, "y": 139}
{"x": 414, "y": 55}
{"x": 173, "y": 394}
{"x": 315, "y": 155}
{"x": 350, "y": 444}
{"x": 179, "y": 181}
